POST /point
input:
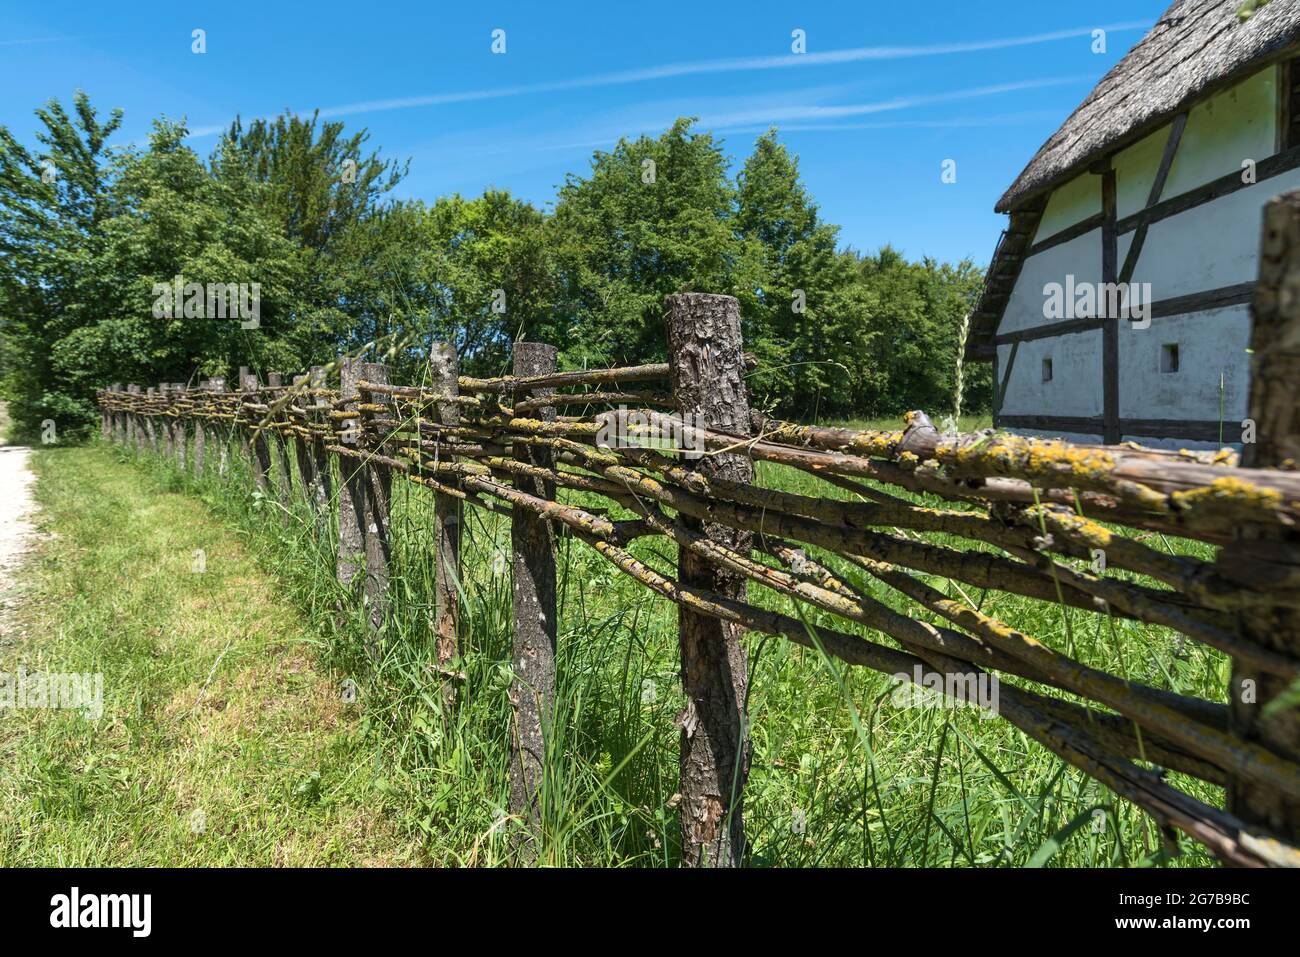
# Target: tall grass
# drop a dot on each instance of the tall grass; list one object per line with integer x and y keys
{"x": 841, "y": 776}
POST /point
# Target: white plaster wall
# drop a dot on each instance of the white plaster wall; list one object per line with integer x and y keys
{"x": 1080, "y": 256}
{"x": 1070, "y": 203}
{"x": 1238, "y": 124}
{"x": 1209, "y": 344}
{"x": 1135, "y": 171}
{"x": 1075, "y": 388}
{"x": 1214, "y": 245}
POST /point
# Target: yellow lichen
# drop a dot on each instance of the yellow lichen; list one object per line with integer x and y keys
{"x": 1015, "y": 454}
{"x": 876, "y": 443}
{"x": 1229, "y": 490}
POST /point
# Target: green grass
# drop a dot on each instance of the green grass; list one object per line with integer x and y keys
{"x": 222, "y": 739}
{"x": 840, "y": 777}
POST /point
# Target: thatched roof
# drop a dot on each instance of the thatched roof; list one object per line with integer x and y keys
{"x": 1196, "y": 46}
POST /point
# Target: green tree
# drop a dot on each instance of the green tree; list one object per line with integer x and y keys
{"x": 651, "y": 218}
{"x": 324, "y": 191}
{"x": 805, "y": 314}
{"x": 54, "y": 200}
{"x": 172, "y": 219}
{"x": 919, "y": 316}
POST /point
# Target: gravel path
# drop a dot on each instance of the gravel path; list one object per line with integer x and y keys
{"x": 16, "y": 529}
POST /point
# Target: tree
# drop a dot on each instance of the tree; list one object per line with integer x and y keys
{"x": 54, "y": 201}
{"x": 652, "y": 218}
{"x": 920, "y": 311}
{"x": 172, "y": 219}
{"x": 806, "y": 315}
{"x": 324, "y": 192}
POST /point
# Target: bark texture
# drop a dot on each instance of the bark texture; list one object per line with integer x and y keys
{"x": 260, "y": 459}
{"x": 707, "y": 379}
{"x": 532, "y": 540}
{"x": 1275, "y": 374}
{"x": 352, "y": 488}
{"x": 444, "y": 369}
{"x": 283, "y": 475}
{"x": 321, "y": 491}
{"x": 376, "y": 504}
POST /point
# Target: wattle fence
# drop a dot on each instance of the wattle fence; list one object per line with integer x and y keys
{"x": 676, "y": 451}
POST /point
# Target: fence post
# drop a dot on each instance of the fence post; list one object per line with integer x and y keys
{"x": 377, "y": 503}
{"x": 1275, "y": 414}
{"x": 284, "y": 478}
{"x": 135, "y": 425}
{"x": 444, "y": 375}
{"x": 302, "y": 454}
{"x": 707, "y": 379}
{"x": 150, "y": 430}
{"x": 200, "y": 436}
{"x": 314, "y": 461}
{"x": 105, "y": 416}
{"x": 178, "y": 424}
{"x": 351, "y": 486}
{"x": 164, "y": 421}
{"x": 260, "y": 458}
{"x": 218, "y": 431}
{"x": 532, "y": 541}
{"x": 115, "y": 418}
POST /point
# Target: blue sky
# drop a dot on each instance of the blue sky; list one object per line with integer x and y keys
{"x": 885, "y": 93}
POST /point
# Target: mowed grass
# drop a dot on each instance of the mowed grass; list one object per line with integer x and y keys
{"x": 222, "y": 741}
{"x": 841, "y": 775}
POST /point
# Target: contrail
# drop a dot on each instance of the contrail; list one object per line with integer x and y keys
{"x": 884, "y": 106}
{"x": 31, "y": 40}
{"x": 729, "y": 65}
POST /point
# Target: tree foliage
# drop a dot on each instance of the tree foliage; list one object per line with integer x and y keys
{"x": 299, "y": 207}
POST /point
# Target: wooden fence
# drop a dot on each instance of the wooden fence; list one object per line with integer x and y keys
{"x": 676, "y": 450}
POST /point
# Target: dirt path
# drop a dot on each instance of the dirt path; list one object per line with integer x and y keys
{"x": 15, "y": 526}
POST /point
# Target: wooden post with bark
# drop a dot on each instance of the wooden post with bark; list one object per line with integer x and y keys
{"x": 444, "y": 373}
{"x": 219, "y": 433}
{"x": 200, "y": 436}
{"x": 150, "y": 430}
{"x": 706, "y": 375}
{"x": 134, "y": 427}
{"x": 178, "y": 427}
{"x": 352, "y": 487}
{"x": 106, "y": 417}
{"x": 284, "y": 477}
{"x": 306, "y": 465}
{"x": 164, "y": 421}
{"x": 376, "y": 508}
{"x": 314, "y": 462}
{"x": 351, "y": 490}
{"x": 532, "y": 541}
{"x": 1274, "y": 418}
{"x": 260, "y": 453}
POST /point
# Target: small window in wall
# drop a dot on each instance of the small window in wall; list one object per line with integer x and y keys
{"x": 1169, "y": 357}
{"x": 1047, "y": 370}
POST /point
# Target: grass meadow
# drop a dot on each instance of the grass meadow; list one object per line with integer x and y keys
{"x": 231, "y": 733}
